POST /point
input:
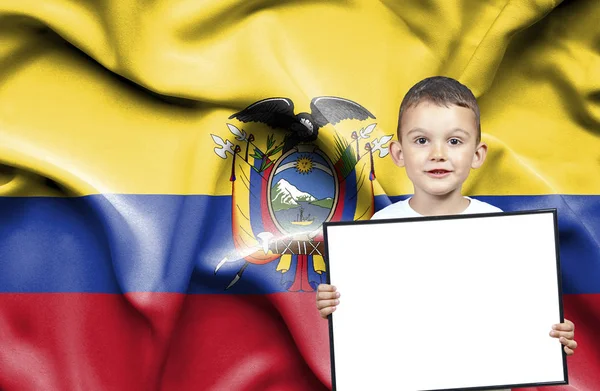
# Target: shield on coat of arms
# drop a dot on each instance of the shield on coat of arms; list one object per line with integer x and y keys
{"x": 302, "y": 191}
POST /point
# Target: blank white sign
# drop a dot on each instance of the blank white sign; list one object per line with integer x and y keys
{"x": 446, "y": 303}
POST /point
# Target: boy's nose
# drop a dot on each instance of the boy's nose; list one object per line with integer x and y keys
{"x": 438, "y": 153}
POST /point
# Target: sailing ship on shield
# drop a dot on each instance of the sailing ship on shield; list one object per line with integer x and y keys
{"x": 284, "y": 192}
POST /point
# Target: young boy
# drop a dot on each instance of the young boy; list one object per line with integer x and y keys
{"x": 439, "y": 142}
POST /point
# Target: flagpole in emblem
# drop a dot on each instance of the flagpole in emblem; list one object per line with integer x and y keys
{"x": 372, "y": 164}
{"x": 248, "y": 141}
{"x": 287, "y": 190}
{"x": 235, "y": 152}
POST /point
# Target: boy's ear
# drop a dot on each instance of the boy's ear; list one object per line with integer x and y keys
{"x": 397, "y": 153}
{"x": 479, "y": 156}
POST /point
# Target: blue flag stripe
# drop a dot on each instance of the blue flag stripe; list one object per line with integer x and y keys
{"x": 159, "y": 243}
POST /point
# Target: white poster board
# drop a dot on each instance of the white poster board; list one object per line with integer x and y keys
{"x": 446, "y": 302}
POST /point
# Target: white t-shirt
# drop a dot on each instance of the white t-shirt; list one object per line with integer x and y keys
{"x": 403, "y": 209}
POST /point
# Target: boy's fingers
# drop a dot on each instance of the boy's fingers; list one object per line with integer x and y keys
{"x": 569, "y": 343}
{"x": 567, "y": 326}
{"x": 327, "y": 295}
{"x": 569, "y": 347}
{"x": 326, "y": 312}
{"x": 326, "y": 288}
{"x": 567, "y": 321}
{"x": 562, "y": 334}
{"x": 322, "y": 304}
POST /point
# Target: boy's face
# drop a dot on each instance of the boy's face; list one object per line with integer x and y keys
{"x": 438, "y": 147}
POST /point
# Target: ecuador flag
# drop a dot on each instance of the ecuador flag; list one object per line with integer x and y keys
{"x": 152, "y": 239}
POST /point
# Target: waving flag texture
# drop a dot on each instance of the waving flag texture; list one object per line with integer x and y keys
{"x": 148, "y": 241}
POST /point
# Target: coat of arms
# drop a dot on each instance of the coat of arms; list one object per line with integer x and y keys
{"x": 283, "y": 193}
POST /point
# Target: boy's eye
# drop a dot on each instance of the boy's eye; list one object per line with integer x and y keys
{"x": 454, "y": 141}
{"x": 421, "y": 140}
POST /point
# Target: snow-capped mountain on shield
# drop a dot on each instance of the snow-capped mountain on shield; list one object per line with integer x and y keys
{"x": 284, "y": 195}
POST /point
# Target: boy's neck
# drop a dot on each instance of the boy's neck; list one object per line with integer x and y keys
{"x": 432, "y": 205}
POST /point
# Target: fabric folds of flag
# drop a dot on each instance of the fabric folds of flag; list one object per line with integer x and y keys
{"x": 148, "y": 241}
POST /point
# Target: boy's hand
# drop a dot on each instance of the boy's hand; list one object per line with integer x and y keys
{"x": 565, "y": 332}
{"x": 327, "y": 299}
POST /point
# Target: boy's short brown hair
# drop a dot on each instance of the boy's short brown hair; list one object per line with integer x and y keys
{"x": 441, "y": 91}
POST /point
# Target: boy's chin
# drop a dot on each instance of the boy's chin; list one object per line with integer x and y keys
{"x": 440, "y": 192}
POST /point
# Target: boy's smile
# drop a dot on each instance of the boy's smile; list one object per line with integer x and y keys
{"x": 435, "y": 173}
{"x": 439, "y": 145}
